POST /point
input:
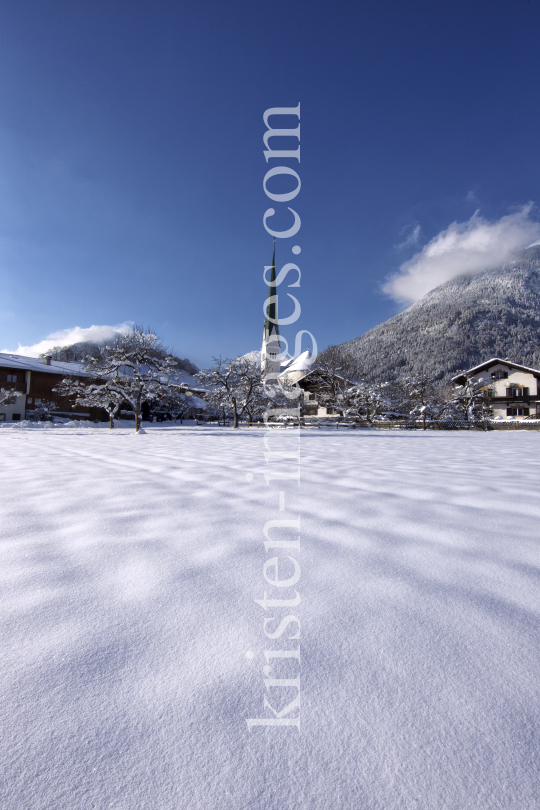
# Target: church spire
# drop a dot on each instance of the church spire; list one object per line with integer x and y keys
{"x": 271, "y": 345}
{"x": 271, "y": 308}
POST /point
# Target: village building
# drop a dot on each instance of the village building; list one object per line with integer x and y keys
{"x": 33, "y": 380}
{"x": 513, "y": 389}
{"x": 311, "y": 380}
{"x": 300, "y": 370}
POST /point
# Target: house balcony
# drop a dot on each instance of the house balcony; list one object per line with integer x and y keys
{"x": 522, "y": 400}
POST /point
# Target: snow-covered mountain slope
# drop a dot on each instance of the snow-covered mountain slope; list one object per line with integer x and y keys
{"x": 459, "y": 324}
{"x": 254, "y": 356}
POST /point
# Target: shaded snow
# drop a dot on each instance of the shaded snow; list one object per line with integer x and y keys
{"x": 129, "y": 572}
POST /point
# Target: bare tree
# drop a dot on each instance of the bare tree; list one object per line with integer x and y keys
{"x": 423, "y": 400}
{"x": 470, "y": 401}
{"x": 92, "y": 394}
{"x": 175, "y": 401}
{"x": 45, "y": 410}
{"x": 135, "y": 368}
{"x": 7, "y": 393}
{"x": 367, "y": 400}
{"x": 335, "y": 374}
{"x": 234, "y": 386}
{"x": 335, "y": 360}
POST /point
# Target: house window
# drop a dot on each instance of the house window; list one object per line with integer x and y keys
{"x": 517, "y": 411}
{"x": 15, "y": 417}
{"x": 2, "y": 417}
{"x": 516, "y": 391}
{"x": 12, "y": 378}
{"x": 12, "y": 401}
{"x": 499, "y": 375}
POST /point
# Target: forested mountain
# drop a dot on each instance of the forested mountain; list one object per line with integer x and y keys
{"x": 459, "y": 324}
{"x": 78, "y": 351}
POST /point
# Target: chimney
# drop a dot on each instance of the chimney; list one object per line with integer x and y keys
{"x": 48, "y": 360}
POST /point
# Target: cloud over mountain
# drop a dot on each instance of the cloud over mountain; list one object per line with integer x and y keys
{"x": 67, "y": 337}
{"x": 459, "y": 324}
{"x": 465, "y": 248}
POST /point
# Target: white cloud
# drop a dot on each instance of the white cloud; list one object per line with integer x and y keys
{"x": 66, "y": 337}
{"x": 411, "y": 239}
{"x": 463, "y": 248}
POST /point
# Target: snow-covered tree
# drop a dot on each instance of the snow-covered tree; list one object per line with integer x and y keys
{"x": 423, "y": 400}
{"x": 366, "y": 400}
{"x": 134, "y": 368}
{"x": 234, "y": 387}
{"x": 7, "y": 393}
{"x": 81, "y": 351}
{"x": 92, "y": 394}
{"x": 174, "y": 400}
{"x": 337, "y": 362}
{"x": 45, "y": 409}
{"x": 470, "y": 401}
{"x": 335, "y": 374}
{"x": 73, "y": 353}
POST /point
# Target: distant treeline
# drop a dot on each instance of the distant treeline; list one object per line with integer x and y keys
{"x": 79, "y": 351}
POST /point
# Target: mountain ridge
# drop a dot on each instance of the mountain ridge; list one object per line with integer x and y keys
{"x": 459, "y": 324}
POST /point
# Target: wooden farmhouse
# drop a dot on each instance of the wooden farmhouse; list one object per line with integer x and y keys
{"x": 514, "y": 390}
{"x": 33, "y": 379}
{"x": 312, "y": 382}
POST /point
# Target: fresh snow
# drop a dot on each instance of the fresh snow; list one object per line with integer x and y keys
{"x": 303, "y": 362}
{"x": 130, "y": 565}
{"x": 19, "y": 361}
{"x": 253, "y": 356}
{"x": 23, "y": 363}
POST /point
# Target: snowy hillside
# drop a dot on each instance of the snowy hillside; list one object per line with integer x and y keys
{"x": 460, "y": 324}
{"x": 253, "y": 357}
{"x": 129, "y": 570}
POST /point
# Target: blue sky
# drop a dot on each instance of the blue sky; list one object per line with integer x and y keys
{"x": 131, "y": 160}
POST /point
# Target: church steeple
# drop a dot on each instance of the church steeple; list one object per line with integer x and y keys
{"x": 270, "y": 344}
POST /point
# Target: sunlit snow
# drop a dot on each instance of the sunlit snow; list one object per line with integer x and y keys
{"x": 130, "y": 565}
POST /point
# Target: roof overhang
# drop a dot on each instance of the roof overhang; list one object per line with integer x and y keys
{"x": 494, "y": 362}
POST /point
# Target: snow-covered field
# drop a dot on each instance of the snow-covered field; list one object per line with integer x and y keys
{"x": 130, "y": 565}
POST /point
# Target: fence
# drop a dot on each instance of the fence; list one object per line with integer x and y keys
{"x": 395, "y": 424}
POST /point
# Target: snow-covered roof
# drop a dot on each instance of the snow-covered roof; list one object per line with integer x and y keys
{"x": 181, "y": 376}
{"x": 303, "y": 362}
{"x": 494, "y": 361}
{"x": 19, "y": 361}
{"x": 197, "y": 402}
